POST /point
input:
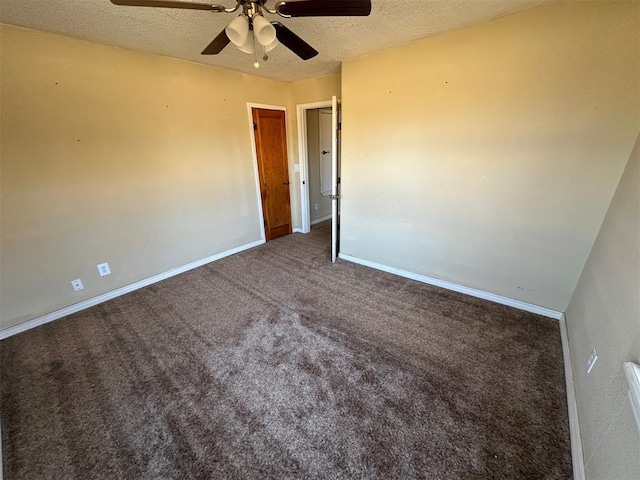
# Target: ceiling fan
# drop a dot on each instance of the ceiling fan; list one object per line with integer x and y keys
{"x": 252, "y": 33}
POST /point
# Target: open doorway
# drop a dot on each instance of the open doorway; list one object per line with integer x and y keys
{"x": 319, "y": 164}
{"x": 318, "y": 139}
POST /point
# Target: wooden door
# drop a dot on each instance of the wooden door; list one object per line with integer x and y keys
{"x": 273, "y": 168}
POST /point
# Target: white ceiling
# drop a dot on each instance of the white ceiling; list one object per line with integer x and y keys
{"x": 184, "y": 33}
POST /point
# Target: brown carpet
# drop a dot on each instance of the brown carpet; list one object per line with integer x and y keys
{"x": 274, "y": 363}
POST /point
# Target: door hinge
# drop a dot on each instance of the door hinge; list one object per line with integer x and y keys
{"x": 265, "y": 223}
{"x": 255, "y": 126}
{"x": 339, "y": 125}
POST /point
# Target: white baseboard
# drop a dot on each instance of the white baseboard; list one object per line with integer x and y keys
{"x": 63, "y": 312}
{"x": 529, "y": 307}
{"x": 298, "y": 230}
{"x": 574, "y": 426}
{"x": 321, "y": 219}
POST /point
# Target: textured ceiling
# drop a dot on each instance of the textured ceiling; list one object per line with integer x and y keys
{"x": 184, "y": 33}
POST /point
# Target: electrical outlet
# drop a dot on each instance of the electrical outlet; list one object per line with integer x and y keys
{"x": 103, "y": 269}
{"x": 317, "y": 206}
{"x": 593, "y": 358}
{"x": 77, "y": 284}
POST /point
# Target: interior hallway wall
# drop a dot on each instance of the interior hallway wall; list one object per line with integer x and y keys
{"x": 313, "y": 156}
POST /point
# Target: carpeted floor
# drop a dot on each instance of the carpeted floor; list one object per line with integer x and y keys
{"x": 274, "y": 363}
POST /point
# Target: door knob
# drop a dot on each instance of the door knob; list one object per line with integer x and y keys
{"x": 287, "y": 182}
{"x": 324, "y": 152}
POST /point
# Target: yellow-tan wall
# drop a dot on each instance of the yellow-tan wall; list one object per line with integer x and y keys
{"x": 109, "y": 155}
{"x": 487, "y": 156}
{"x": 604, "y": 313}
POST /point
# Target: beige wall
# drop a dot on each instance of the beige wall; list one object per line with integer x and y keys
{"x": 114, "y": 156}
{"x": 604, "y": 313}
{"x": 141, "y": 161}
{"x": 313, "y": 158}
{"x": 488, "y": 156}
{"x": 316, "y": 89}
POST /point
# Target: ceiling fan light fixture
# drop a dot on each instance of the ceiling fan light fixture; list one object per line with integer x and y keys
{"x": 254, "y": 34}
{"x": 263, "y": 30}
{"x": 238, "y": 31}
{"x": 248, "y": 46}
{"x": 272, "y": 45}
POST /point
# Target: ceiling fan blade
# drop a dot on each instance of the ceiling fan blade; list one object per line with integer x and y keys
{"x": 293, "y": 42}
{"x": 217, "y": 44}
{"x": 324, "y": 8}
{"x": 169, "y": 4}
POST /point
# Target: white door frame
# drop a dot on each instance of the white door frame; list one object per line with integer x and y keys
{"x": 335, "y": 176}
{"x": 254, "y": 153}
{"x": 303, "y": 159}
